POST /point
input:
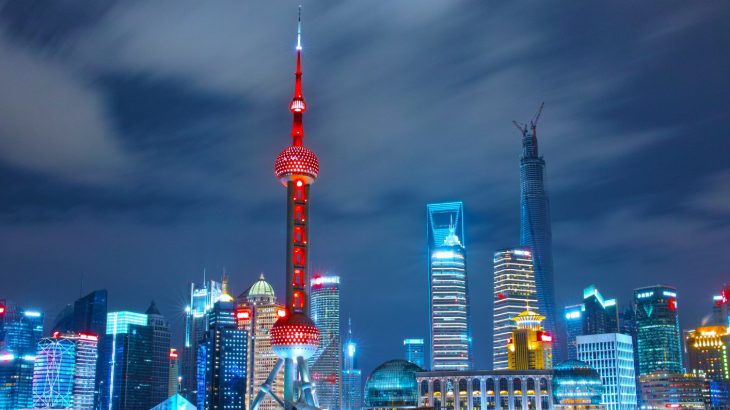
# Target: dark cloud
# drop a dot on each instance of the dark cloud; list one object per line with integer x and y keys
{"x": 142, "y": 134}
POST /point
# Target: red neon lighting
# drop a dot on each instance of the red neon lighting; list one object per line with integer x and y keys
{"x": 672, "y": 304}
{"x": 299, "y": 236}
{"x": 56, "y": 334}
{"x": 88, "y": 336}
{"x": 501, "y": 296}
{"x": 2, "y": 309}
{"x": 298, "y": 279}
{"x": 173, "y": 354}
{"x": 299, "y": 258}
{"x": 298, "y": 300}
{"x": 546, "y": 338}
{"x": 317, "y": 280}
{"x": 672, "y": 405}
{"x": 243, "y": 314}
{"x": 299, "y": 213}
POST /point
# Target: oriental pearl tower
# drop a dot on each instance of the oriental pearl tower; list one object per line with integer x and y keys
{"x": 294, "y": 337}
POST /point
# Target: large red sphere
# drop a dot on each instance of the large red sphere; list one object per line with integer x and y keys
{"x": 296, "y": 162}
{"x": 293, "y": 336}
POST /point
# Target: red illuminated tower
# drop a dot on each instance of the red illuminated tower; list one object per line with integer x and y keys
{"x": 294, "y": 337}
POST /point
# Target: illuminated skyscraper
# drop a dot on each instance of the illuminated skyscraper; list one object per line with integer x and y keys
{"x": 612, "y": 355}
{"x": 668, "y": 390}
{"x": 514, "y": 288}
{"x": 202, "y": 298}
{"x": 90, "y": 313}
{"x": 708, "y": 348}
{"x": 160, "y": 375}
{"x": 222, "y": 360}
{"x": 657, "y": 327}
{"x": 535, "y": 226}
{"x": 594, "y": 316}
{"x": 351, "y": 375}
{"x": 256, "y": 313}
{"x": 448, "y": 289}
{"x": 529, "y": 347}
{"x": 415, "y": 352}
{"x": 16, "y": 381}
{"x": 326, "y": 364}
{"x": 21, "y": 330}
{"x": 65, "y": 371}
{"x": 173, "y": 383}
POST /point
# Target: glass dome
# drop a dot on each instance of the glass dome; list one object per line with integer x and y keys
{"x": 575, "y": 382}
{"x": 392, "y": 385}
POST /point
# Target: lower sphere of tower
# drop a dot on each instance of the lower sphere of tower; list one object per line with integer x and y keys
{"x": 296, "y": 162}
{"x": 294, "y": 335}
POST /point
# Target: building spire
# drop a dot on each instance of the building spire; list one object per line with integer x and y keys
{"x": 298, "y": 106}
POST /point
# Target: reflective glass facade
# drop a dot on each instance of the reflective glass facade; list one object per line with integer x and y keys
{"x": 612, "y": 355}
{"x": 392, "y": 385}
{"x": 576, "y": 386}
{"x": 325, "y": 366}
{"x": 448, "y": 288}
{"x": 53, "y": 375}
{"x": 415, "y": 352}
{"x": 657, "y": 330}
{"x": 514, "y": 290}
{"x": 16, "y": 381}
{"x": 595, "y": 315}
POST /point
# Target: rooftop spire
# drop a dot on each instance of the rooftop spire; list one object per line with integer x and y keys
{"x": 297, "y": 105}
{"x": 299, "y": 29}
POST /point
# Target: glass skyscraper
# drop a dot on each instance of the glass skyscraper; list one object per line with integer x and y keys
{"x": 325, "y": 365}
{"x": 160, "y": 358}
{"x": 595, "y": 315}
{"x": 90, "y": 313}
{"x": 658, "y": 337}
{"x": 16, "y": 381}
{"x": 448, "y": 290}
{"x": 20, "y": 331}
{"x": 535, "y": 226}
{"x": 514, "y": 291}
{"x": 415, "y": 352}
{"x": 351, "y": 375}
{"x": 612, "y": 354}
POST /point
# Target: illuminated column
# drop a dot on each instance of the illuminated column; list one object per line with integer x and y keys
{"x": 483, "y": 394}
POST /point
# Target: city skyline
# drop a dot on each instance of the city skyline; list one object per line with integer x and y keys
{"x": 134, "y": 226}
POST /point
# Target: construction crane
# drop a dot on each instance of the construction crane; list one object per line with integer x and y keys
{"x": 524, "y": 128}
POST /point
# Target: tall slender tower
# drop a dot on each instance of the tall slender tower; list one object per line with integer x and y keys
{"x": 294, "y": 337}
{"x": 535, "y": 230}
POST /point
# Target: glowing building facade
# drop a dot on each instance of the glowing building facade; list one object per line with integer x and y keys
{"x": 529, "y": 346}
{"x": 514, "y": 288}
{"x": 721, "y": 307}
{"x": 576, "y": 386}
{"x": 392, "y": 385}
{"x": 326, "y": 364}
{"x": 16, "y": 381}
{"x": 657, "y": 330}
{"x": 173, "y": 381}
{"x": 612, "y": 355}
{"x": 707, "y": 352}
{"x": 595, "y": 315}
{"x": 415, "y": 352}
{"x": 20, "y": 331}
{"x": 351, "y": 375}
{"x": 448, "y": 289}
{"x": 535, "y": 225}
{"x": 667, "y": 390}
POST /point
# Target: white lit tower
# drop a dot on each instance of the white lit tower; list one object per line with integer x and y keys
{"x": 294, "y": 337}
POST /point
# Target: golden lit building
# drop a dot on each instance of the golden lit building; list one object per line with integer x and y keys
{"x": 529, "y": 347}
{"x": 256, "y": 312}
{"x": 707, "y": 351}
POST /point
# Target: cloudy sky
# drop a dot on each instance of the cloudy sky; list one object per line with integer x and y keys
{"x": 137, "y": 140}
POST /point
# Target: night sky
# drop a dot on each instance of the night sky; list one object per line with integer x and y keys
{"x": 137, "y": 140}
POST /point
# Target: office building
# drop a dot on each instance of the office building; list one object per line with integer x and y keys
{"x": 351, "y": 375}
{"x": 90, "y": 313}
{"x": 160, "y": 359}
{"x": 256, "y": 313}
{"x": 492, "y": 389}
{"x": 16, "y": 381}
{"x": 721, "y": 307}
{"x": 325, "y": 365}
{"x": 529, "y": 346}
{"x": 595, "y": 315}
{"x": 20, "y": 331}
{"x": 612, "y": 355}
{"x": 450, "y": 330}
{"x": 222, "y": 360}
{"x": 535, "y": 225}
{"x": 415, "y": 352}
{"x": 514, "y": 288}
{"x": 576, "y": 386}
{"x": 666, "y": 390}
{"x": 657, "y": 330}
{"x": 173, "y": 377}
{"x": 707, "y": 352}
{"x": 64, "y": 374}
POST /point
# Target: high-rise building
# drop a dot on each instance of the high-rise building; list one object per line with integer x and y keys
{"x": 667, "y": 390}
{"x": 90, "y": 313}
{"x": 65, "y": 371}
{"x": 707, "y": 352}
{"x": 529, "y": 347}
{"x": 127, "y": 349}
{"x": 20, "y": 331}
{"x": 535, "y": 226}
{"x": 351, "y": 374}
{"x": 173, "y": 377}
{"x": 594, "y": 316}
{"x": 16, "y": 381}
{"x": 222, "y": 360}
{"x": 160, "y": 359}
{"x": 256, "y": 313}
{"x": 514, "y": 288}
{"x": 448, "y": 289}
{"x": 612, "y": 355}
{"x": 721, "y": 307}
{"x": 326, "y": 364}
{"x": 202, "y": 298}
{"x": 657, "y": 330}
{"x": 415, "y": 352}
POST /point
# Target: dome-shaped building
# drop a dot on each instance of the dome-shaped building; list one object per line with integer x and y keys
{"x": 260, "y": 292}
{"x": 392, "y": 385}
{"x": 576, "y": 385}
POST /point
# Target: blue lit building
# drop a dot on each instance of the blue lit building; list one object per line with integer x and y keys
{"x": 222, "y": 360}
{"x": 16, "y": 381}
{"x": 392, "y": 385}
{"x": 576, "y": 386}
{"x": 90, "y": 313}
{"x": 449, "y": 319}
{"x": 21, "y": 330}
{"x": 127, "y": 351}
{"x": 594, "y": 316}
{"x": 612, "y": 355}
{"x": 535, "y": 226}
{"x": 657, "y": 330}
{"x": 414, "y": 352}
{"x": 351, "y": 375}
{"x": 325, "y": 366}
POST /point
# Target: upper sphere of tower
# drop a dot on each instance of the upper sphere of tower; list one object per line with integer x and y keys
{"x": 294, "y": 335}
{"x": 296, "y": 162}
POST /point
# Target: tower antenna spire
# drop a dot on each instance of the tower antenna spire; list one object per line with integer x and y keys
{"x": 299, "y": 29}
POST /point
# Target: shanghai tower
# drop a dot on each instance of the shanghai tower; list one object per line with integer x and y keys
{"x": 535, "y": 231}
